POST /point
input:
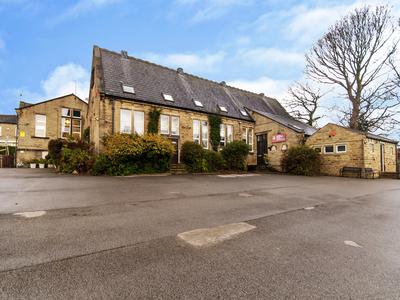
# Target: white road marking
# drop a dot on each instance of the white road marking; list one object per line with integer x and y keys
{"x": 353, "y": 244}
{"x": 31, "y": 214}
{"x": 309, "y": 208}
{"x": 210, "y": 236}
{"x": 237, "y": 175}
{"x": 246, "y": 195}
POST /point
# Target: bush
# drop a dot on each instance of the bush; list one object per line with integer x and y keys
{"x": 301, "y": 160}
{"x": 192, "y": 156}
{"x": 214, "y": 161}
{"x": 235, "y": 155}
{"x": 129, "y": 154}
{"x": 75, "y": 160}
{"x": 55, "y": 148}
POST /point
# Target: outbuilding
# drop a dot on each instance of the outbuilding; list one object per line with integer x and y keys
{"x": 343, "y": 147}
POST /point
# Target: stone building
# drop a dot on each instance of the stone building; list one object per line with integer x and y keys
{"x": 124, "y": 89}
{"x": 40, "y": 122}
{"x": 8, "y": 130}
{"x": 344, "y": 147}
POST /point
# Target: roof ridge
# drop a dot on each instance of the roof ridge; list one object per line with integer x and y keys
{"x": 188, "y": 74}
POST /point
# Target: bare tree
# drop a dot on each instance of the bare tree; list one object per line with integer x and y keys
{"x": 355, "y": 55}
{"x": 304, "y": 102}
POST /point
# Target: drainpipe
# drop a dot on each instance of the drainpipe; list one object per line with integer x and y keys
{"x": 113, "y": 116}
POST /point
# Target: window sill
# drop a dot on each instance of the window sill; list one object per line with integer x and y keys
{"x": 40, "y": 137}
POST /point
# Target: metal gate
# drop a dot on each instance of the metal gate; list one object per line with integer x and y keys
{"x": 7, "y": 161}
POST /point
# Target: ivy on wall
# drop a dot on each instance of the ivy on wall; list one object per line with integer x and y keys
{"x": 154, "y": 119}
{"x": 215, "y": 137}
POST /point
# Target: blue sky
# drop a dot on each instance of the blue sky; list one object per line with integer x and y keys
{"x": 259, "y": 45}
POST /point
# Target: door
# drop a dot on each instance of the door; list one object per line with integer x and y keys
{"x": 175, "y": 157}
{"x": 262, "y": 149}
{"x": 382, "y": 158}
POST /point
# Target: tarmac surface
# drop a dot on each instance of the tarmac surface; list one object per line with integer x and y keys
{"x": 116, "y": 237}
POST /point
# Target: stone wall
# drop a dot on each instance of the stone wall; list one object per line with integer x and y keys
{"x": 106, "y": 107}
{"x": 7, "y": 134}
{"x": 270, "y": 127}
{"x": 372, "y": 154}
{"x": 29, "y": 146}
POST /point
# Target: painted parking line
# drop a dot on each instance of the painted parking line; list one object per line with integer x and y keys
{"x": 237, "y": 175}
{"x": 204, "y": 237}
{"x": 31, "y": 214}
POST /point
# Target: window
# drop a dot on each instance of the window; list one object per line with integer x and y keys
{"x": 371, "y": 148}
{"x": 0, "y": 130}
{"x": 125, "y": 121}
{"x": 174, "y": 125}
{"x": 204, "y": 134}
{"x": 223, "y": 108}
{"x": 329, "y": 149}
{"x": 138, "y": 122}
{"x": 164, "y": 128}
{"x": 284, "y": 147}
{"x": 40, "y": 125}
{"x": 318, "y": 149}
{"x": 222, "y": 141}
{"x": 341, "y": 148}
{"x": 273, "y": 148}
{"x": 128, "y": 89}
{"x": 70, "y": 122}
{"x": 196, "y": 131}
{"x": 247, "y": 137}
{"x": 198, "y": 103}
{"x": 244, "y": 113}
{"x": 168, "y": 97}
{"x": 229, "y": 133}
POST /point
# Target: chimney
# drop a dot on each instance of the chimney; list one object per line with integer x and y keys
{"x": 261, "y": 94}
{"x": 124, "y": 54}
{"x": 180, "y": 71}
{"x": 223, "y": 83}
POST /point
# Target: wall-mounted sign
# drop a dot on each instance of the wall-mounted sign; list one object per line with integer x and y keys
{"x": 279, "y": 138}
{"x": 332, "y": 133}
{"x": 22, "y": 133}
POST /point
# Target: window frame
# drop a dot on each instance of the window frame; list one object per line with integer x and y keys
{"x": 178, "y": 125}
{"x": 196, "y": 140}
{"x": 135, "y": 113}
{"x": 122, "y": 129}
{"x": 204, "y": 124}
{"x": 222, "y": 134}
{"x": 333, "y": 149}
{"x": 337, "y": 148}
{"x": 36, "y": 126}
{"x": 167, "y": 117}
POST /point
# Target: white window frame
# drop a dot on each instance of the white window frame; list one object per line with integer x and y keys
{"x": 167, "y": 119}
{"x": 0, "y": 130}
{"x": 43, "y": 126}
{"x": 222, "y": 133}
{"x": 319, "y": 147}
{"x": 196, "y": 132}
{"x": 138, "y": 122}
{"x": 204, "y": 134}
{"x": 176, "y": 118}
{"x": 333, "y": 146}
{"x": 125, "y": 126}
{"x": 229, "y": 129}
{"x": 250, "y": 138}
{"x": 339, "y": 145}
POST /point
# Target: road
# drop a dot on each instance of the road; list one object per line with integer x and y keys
{"x": 116, "y": 237}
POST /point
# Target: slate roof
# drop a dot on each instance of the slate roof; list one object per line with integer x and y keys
{"x": 23, "y": 104}
{"x": 368, "y": 135}
{"x": 150, "y": 81}
{"x": 289, "y": 122}
{"x": 9, "y": 119}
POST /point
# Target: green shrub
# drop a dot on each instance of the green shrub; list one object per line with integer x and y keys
{"x": 301, "y": 160}
{"x": 154, "y": 119}
{"x": 214, "y": 160}
{"x": 55, "y": 148}
{"x": 215, "y": 131}
{"x": 75, "y": 160}
{"x": 235, "y": 155}
{"x": 192, "y": 156}
{"x": 129, "y": 154}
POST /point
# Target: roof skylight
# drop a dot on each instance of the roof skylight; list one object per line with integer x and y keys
{"x": 128, "y": 89}
{"x": 223, "y": 108}
{"x": 168, "y": 97}
{"x": 244, "y": 113}
{"x": 198, "y": 103}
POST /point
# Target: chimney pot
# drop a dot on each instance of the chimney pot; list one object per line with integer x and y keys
{"x": 180, "y": 70}
{"x": 223, "y": 83}
{"x": 124, "y": 53}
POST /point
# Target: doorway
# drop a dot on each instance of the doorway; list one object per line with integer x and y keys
{"x": 382, "y": 157}
{"x": 262, "y": 149}
{"x": 175, "y": 156}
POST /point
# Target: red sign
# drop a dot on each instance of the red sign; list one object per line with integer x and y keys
{"x": 279, "y": 138}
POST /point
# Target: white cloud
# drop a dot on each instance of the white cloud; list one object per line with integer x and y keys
{"x": 269, "y": 56}
{"x": 212, "y": 9}
{"x": 190, "y": 62}
{"x": 67, "y": 79}
{"x": 270, "y": 87}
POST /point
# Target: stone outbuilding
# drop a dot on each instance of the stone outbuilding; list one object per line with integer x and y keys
{"x": 8, "y": 130}
{"x": 344, "y": 147}
{"x": 40, "y": 122}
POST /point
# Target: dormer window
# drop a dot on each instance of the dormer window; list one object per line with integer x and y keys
{"x": 223, "y": 108}
{"x": 198, "y": 103}
{"x": 168, "y": 97}
{"x": 128, "y": 89}
{"x": 244, "y": 113}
